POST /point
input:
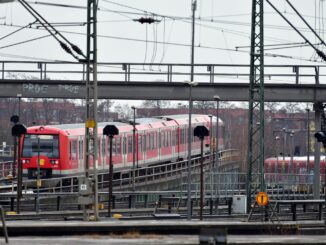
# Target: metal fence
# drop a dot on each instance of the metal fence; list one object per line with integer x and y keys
{"x": 168, "y": 72}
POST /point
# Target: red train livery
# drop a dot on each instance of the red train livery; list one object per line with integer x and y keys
{"x": 299, "y": 165}
{"x": 59, "y": 149}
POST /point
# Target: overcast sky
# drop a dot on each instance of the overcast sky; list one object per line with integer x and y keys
{"x": 222, "y": 25}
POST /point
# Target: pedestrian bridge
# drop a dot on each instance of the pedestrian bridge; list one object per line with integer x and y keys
{"x": 137, "y": 81}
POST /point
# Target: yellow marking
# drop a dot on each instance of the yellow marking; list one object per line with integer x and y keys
{"x": 262, "y": 198}
{"x": 117, "y": 216}
{"x": 90, "y": 123}
{"x": 39, "y": 183}
{"x": 42, "y": 162}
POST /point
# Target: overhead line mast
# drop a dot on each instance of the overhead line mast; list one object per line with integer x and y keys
{"x": 91, "y": 144}
{"x": 256, "y": 123}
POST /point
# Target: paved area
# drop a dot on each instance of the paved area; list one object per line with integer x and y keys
{"x": 132, "y": 239}
{"x": 108, "y": 240}
{"x": 148, "y": 232}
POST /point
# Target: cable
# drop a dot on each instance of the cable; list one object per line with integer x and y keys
{"x": 295, "y": 10}
{"x": 320, "y": 53}
{"x": 164, "y": 45}
{"x": 170, "y": 43}
{"x": 146, "y": 45}
{"x": 273, "y": 45}
{"x": 26, "y": 41}
{"x": 16, "y": 31}
{"x": 41, "y": 20}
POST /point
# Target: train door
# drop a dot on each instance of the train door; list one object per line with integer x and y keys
{"x": 80, "y": 154}
{"x": 140, "y": 148}
{"x": 124, "y": 150}
{"x": 160, "y": 145}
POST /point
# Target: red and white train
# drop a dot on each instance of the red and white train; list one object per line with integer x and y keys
{"x": 60, "y": 148}
{"x": 299, "y": 165}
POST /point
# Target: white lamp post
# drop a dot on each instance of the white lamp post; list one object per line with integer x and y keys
{"x": 190, "y": 84}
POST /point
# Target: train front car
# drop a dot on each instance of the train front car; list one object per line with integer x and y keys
{"x": 40, "y": 148}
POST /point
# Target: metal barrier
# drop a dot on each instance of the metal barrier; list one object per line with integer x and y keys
{"x": 170, "y": 72}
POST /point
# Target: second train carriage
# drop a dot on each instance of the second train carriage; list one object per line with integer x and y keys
{"x": 297, "y": 171}
{"x": 60, "y": 149}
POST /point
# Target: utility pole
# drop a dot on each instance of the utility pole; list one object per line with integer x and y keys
{"x": 191, "y": 83}
{"x": 255, "y": 156}
{"x": 91, "y": 151}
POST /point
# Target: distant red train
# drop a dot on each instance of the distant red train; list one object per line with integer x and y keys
{"x": 299, "y": 165}
{"x": 60, "y": 148}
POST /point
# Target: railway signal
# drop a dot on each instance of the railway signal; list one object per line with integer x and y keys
{"x": 17, "y": 131}
{"x": 201, "y": 132}
{"x": 321, "y": 137}
{"x": 110, "y": 131}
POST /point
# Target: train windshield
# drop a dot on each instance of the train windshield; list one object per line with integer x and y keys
{"x": 46, "y": 145}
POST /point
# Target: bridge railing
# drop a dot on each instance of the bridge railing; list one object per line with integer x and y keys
{"x": 168, "y": 72}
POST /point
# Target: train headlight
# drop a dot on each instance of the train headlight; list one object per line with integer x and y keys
{"x": 54, "y": 162}
{"x": 25, "y": 161}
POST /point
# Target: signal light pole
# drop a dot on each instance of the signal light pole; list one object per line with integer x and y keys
{"x": 110, "y": 131}
{"x": 201, "y": 132}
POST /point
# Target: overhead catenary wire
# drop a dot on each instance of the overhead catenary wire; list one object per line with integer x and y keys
{"x": 320, "y": 53}
{"x": 174, "y": 44}
{"x": 26, "y": 41}
{"x": 11, "y": 33}
{"x": 180, "y": 18}
{"x": 295, "y": 10}
{"x": 53, "y": 31}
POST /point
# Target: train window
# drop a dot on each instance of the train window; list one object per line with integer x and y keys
{"x": 162, "y": 140}
{"x": 144, "y": 142}
{"x": 124, "y": 147}
{"x": 114, "y": 148}
{"x": 153, "y": 135}
{"x": 80, "y": 149}
{"x": 47, "y": 145}
{"x": 130, "y": 141}
{"x": 103, "y": 146}
{"x": 73, "y": 150}
{"x": 140, "y": 149}
{"x": 149, "y": 141}
{"x": 169, "y": 138}
{"x": 118, "y": 146}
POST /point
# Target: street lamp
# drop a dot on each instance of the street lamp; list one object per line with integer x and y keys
{"x": 190, "y": 84}
{"x": 277, "y": 138}
{"x": 133, "y": 147}
{"x": 291, "y": 150}
{"x": 19, "y": 96}
{"x": 284, "y": 142}
{"x": 210, "y": 136}
{"x": 308, "y": 137}
{"x": 217, "y": 99}
{"x": 211, "y": 152}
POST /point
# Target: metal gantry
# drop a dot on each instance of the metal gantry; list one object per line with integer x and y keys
{"x": 91, "y": 148}
{"x": 255, "y": 156}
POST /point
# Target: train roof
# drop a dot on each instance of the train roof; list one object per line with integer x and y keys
{"x": 295, "y": 158}
{"x": 194, "y": 117}
{"x": 148, "y": 120}
{"x": 82, "y": 125}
